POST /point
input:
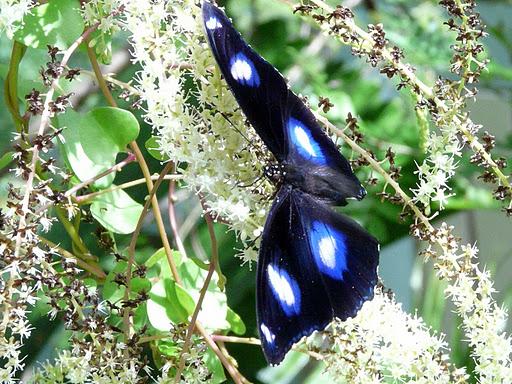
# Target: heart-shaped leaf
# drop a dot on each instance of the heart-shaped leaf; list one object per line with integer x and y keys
{"x": 92, "y": 141}
{"x": 57, "y": 23}
{"x": 116, "y": 211}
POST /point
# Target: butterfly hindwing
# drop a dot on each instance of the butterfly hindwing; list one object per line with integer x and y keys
{"x": 280, "y": 118}
{"x": 291, "y": 299}
{"x": 314, "y": 265}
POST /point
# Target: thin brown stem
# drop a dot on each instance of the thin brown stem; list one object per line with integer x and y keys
{"x": 89, "y": 266}
{"x": 156, "y": 212}
{"x": 195, "y": 314}
{"x": 99, "y": 76}
{"x": 87, "y": 198}
{"x": 131, "y": 249}
{"x": 113, "y": 80}
{"x": 171, "y": 198}
{"x": 143, "y": 166}
{"x": 255, "y": 341}
{"x": 115, "y": 168}
{"x": 236, "y": 339}
{"x": 232, "y": 370}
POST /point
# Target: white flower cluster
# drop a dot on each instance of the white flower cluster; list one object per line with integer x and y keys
{"x": 71, "y": 368}
{"x": 471, "y": 290}
{"x": 105, "y": 12}
{"x": 196, "y": 370}
{"x": 21, "y": 270}
{"x": 385, "y": 344}
{"x": 194, "y": 116}
{"x": 438, "y": 167}
{"x": 11, "y": 15}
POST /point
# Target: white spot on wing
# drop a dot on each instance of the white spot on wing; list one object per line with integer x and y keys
{"x": 243, "y": 70}
{"x": 269, "y": 336}
{"x": 327, "y": 250}
{"x": 281, "y": 286}
{"x": 304, "y": 143}
{"x": 303, "y": 140}
{"x": 213, "y": 23}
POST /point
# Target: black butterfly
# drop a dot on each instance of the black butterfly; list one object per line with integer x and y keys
{"x": 314, "y": 264}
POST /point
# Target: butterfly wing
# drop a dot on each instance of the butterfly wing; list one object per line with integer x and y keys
{"x": 257, "y": 86}
{"x": 280, "y": 118}
{"x": 314, "y": 265}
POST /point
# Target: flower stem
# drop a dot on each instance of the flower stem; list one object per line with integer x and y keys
{"x": 142, "y": 163}
{"x": 407, "y": 73}
{"x": 131, "y": 250}
{"x": 195, "y": 314}
{"x": 89, "y": 266}
{"x": 84, "y": 199}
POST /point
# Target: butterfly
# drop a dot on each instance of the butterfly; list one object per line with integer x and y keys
{"x": 314, "y": 264}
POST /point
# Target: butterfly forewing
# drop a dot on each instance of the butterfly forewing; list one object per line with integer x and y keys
{"x": 280, "y": 118}
{"x": 258, "y": 88}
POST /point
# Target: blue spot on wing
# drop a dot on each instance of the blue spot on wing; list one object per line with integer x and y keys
{"x": 304, "y": 143}
{"x": 329, "y": 249}
{"x": 243, "y": 70}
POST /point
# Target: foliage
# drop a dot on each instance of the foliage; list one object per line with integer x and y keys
{"x": 93, "y": 291}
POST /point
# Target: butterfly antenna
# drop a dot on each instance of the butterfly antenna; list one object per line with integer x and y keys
{"x": 259, "y": 178}
{"x": 225, "y": 116}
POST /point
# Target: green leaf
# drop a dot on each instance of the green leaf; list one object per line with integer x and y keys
{"x": 159, "y": 255}
{"x": 6, "y": 159}
{"x": 168, "y": 304}
{"x": 118, "y": 125}
{"x": 155, "y": 257}
{"x": 214, "y": 309}
{"x": 57, "y": 23}
{"x": 235, "y": 322}
{"x": 116, "y": 211}
{"x": 183, "y": 298}
{"x": 140, "y": 317}
{"x": 215, "y": 367}
{"x": 91, "y": 283}
{"x": 152, "y": 147}
{"x": 472, "y": 197}
{"x": 93, "y": 140}
{"x": 168, "y": 347}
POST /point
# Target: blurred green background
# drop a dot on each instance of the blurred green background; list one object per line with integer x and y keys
{"x": 319, "y": 66}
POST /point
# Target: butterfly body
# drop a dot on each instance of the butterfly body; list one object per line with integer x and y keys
{"x": 314, "y": 264}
